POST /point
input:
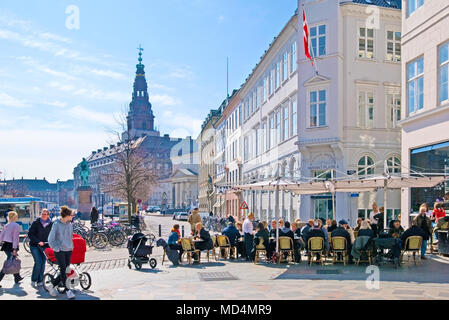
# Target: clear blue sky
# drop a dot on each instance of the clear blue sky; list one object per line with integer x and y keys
{"x": 61, "y": 89}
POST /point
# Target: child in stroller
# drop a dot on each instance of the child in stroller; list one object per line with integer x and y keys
{"x": 74, "y": 277}
{"x": 139, "y": 253}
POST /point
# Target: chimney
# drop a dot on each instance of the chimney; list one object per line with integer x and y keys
{"x": 94, "y": 152}
{"x": 105, "y": 148}
{"x": 111, "y": 146}
{"x": 98, "y": 150}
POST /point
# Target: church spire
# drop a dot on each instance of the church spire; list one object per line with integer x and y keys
{"x": 140, "y": 115}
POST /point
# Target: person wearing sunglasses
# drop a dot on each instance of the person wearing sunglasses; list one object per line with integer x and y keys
{"x": 38, "y": 234}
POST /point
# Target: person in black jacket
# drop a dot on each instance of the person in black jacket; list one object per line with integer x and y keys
{"x": 38, "y": 234}
{"x": 203, "y": 235}
{"x": 414, "y": 230}
{"x": 342, "y": 232}
{"x": 93, "y": 216}
{"x": 315, "y": 231}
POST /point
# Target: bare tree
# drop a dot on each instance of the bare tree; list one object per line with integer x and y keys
{"x": 131, "y": 175}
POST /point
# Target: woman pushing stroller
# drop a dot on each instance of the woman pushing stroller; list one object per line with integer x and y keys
{"x": 60, "y": 240}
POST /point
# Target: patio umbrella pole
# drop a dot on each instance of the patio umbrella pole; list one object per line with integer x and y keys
{"x": 276, "y": 209}
{"x": 385, "y": 204}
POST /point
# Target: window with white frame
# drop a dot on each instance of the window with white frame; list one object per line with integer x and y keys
{"x": 285, "y": 66}
{"x": 265, "y": 89}
{"x": 365, "y": 166}
{"x": 255, "y": 99}
{"x": 293, "y": 58}
{"x": 393, "y": 110}
{"x": 317, "y": 108}
{"x": 278, "y": 74}
{"x": 394, "y": 164}
{"x": 415, "y": 85}
{"x": 285, "y": 116}
{"x": 412, "y": 5}
{"x": 246, "y": 148}
{"x": 394, "y": 46}
{"x": 444, "y": 72}
{"x": 366, "y": 109}
{"x": 251, "y": 104}
{"x": 366, "y": 43}
{"x": 263, "y": 136}
{"x": 271, "y": 135}
{"x": 278, "y": 126}
{"x": 256, "y": 141}
{"x": 271, "y": 84}
{"x": 294, "y": 119}
{"x": 318, "y": 40}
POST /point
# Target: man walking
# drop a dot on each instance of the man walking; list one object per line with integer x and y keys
{"x": 193, "y": 219}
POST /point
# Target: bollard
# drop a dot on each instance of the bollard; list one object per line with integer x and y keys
{"x": 160, "y": 231}
{"x": 182, "y": 231}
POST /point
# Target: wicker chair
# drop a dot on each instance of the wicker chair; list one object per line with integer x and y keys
{"x": 223, "y": 245}
{"x": 189, "y": 249}
{"x": 260, "y": 249}
{"x": 412, "y": 245}
{"x": 315, "y": 246}
{"x": 286, "y": 246}
{"x": 339, "y": 245}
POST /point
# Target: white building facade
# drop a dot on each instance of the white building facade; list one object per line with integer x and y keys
{"x": 348, "y": 112}
{"x": 425, "y": 70}
{"x": 269, "y": 124}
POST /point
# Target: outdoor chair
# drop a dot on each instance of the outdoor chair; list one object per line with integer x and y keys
{"x": 339, "y": 246}
{"x": 260, "y": 249}
{"x": 224, "y": 245}
{"x": 286, "y": 247}
{"x": 189, "y": 249}
{"x": 315, "y": 246}
{"x": 412, "y": 245}
{"x": 214, "y": 241}
{"x": 367, "y": 253}
{"x": 356, "y": 233}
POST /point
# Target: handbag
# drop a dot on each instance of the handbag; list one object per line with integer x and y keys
{"x": 12, "y": 265}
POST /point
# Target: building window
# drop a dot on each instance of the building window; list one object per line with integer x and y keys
{"x": 444, "y": 71}
{"x": 271, "y": 142}
{"x": 271, "y": 85}
{"x": 251, "y": 105}
{"x": 393, "y": 46}
{"x": 317, "y": 109}
{"x": 293, "y": 58}
{"x": 265, "y": 89}
{"x": 366, "y": 43}
{"x": 415, "y": 85}
{"x": 285, "y": 67}
{"x": 286, "y": 119}
{"x": 394, "y": 110}
{"x": 256, "y": 141}
{"x": 278, "y": 126}
{"x": 366, "y": 109}
{"x": 278, "y": 74}
{"x": 255, "y": 100}
{"x": 412, "y": 5}
{"x": 263, "y": 136}
{"x": 318, "y": 38}
{"x": 365, "y": 166}
{"x": 394, "y": 164}
{"x": 294, "y": 119}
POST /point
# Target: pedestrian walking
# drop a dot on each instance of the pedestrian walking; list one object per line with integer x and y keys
{"x": 193, "y": 219}
{"x": 38, "y": 234}
{"x": 10, "y": 238}
{"x": 423, "y": 221}
{"x": 93, "y": 216}
{"x": 60, "y": 240}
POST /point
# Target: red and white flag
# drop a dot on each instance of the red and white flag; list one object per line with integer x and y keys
{"x": 306, "y": 35}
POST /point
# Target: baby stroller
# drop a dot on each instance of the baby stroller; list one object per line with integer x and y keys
{"x": 139, "y": 253}
{"x": 74, "y": 277}
{"x": 388, "y": 250}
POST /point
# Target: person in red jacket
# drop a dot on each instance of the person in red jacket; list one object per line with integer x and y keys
{"x": 438, "y": 212}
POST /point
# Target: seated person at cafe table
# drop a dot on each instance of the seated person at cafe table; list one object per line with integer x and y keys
{"x": 240, "y": 244}
{"x": 306, "y": 228}
{"x": 273, "y": 229}
{"x": 414, "y": 230}
{"x": 315, "y": 231}
{"x": 202, "y": 239}
{"x": 341, "y": 231}
{"x": 261, "y": 232}
{"x": 232, "y": 233}
{"x": 287, "y": 232}
{"x": 396, "y": 231}
{"x": 174, "y": 240}
{"x": 359, "y": 224}
{"x": 365, "y": 229}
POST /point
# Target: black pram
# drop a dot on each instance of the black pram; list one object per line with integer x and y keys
{"x": 139, "y": 252}
{"x": 388, "y": 249}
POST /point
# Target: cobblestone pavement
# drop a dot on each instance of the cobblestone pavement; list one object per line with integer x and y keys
{"x": 111, "y": 279}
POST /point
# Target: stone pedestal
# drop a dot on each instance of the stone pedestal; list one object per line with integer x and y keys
{"x": 84, "y": 202}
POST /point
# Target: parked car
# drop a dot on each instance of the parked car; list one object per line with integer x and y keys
{"x": 183, "y": 216}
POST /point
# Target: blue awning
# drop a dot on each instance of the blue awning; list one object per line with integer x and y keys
{"x": 429, "y": 148}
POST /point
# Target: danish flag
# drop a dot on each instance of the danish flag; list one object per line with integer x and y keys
{"x": 306, "y": 35}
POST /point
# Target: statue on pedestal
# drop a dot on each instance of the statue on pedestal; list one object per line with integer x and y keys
{"x": 84, "y": 173}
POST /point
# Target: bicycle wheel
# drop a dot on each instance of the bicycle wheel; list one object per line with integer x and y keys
{"x": 119, "y": 237}
{"x": 85, "y": 280}
{"x": 26, "y": 244}
{"x": 48, "y": 281}
{"x": 99, "y": 240}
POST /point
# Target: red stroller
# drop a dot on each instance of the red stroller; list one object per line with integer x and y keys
{"x": 74, "y": 277}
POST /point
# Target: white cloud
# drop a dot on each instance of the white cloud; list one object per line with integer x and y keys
{"x": 164, "y": 100}
{"x": 57, "y": 104}
{"x": 109, "y": 74}
{"x": 85, "y": 114}
{"x": 10, "y": 101}
{"x": 43, "y": 68}
{"x": 181, "y": 121}
{"x": 181, "y": 73}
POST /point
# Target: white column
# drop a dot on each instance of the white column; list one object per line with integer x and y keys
{"x": 261, "y": 206}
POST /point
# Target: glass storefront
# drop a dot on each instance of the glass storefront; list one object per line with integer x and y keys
{"x": 323, "y": 208}
{"x": 430, "y": 159}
